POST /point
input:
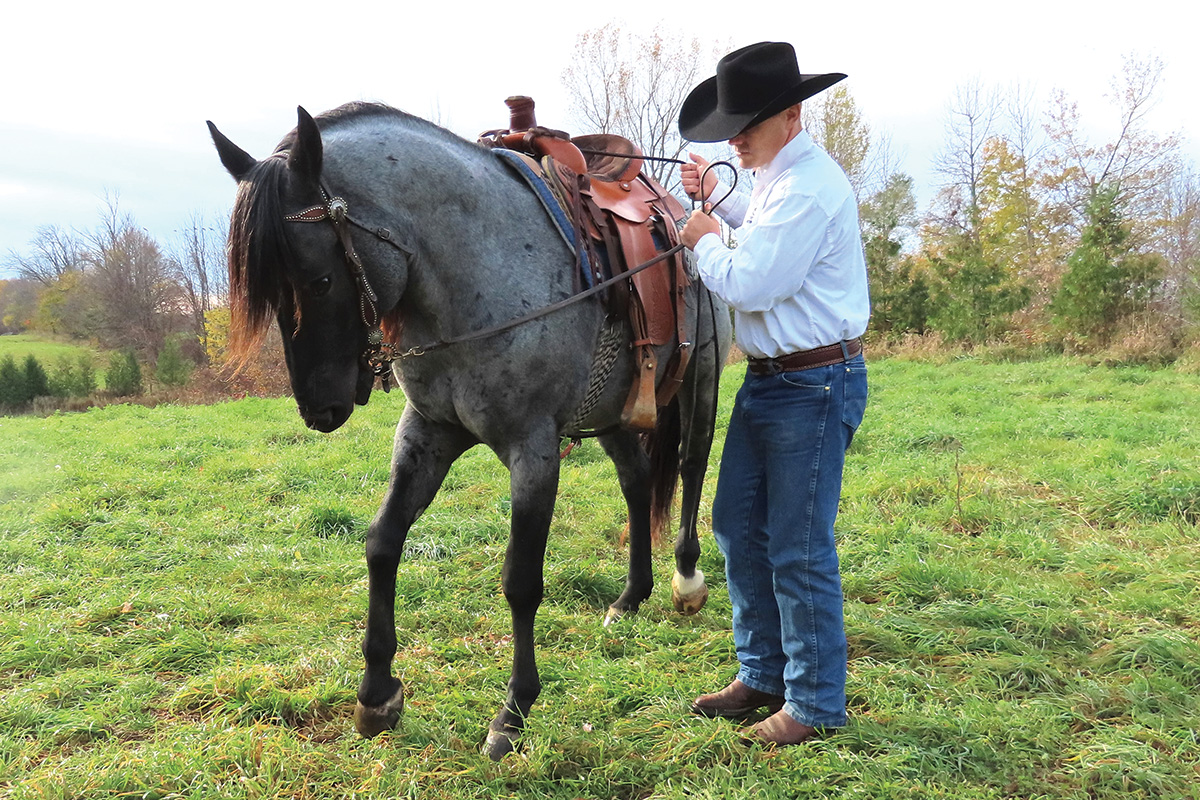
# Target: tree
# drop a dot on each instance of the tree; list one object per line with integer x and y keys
{"x": 138, "y": 300}
{"x": 972, "y": 297}
{"x": 835, "y": 124}
{"x": 172, "y": 369}
{"x": 124, "y": 375}
{"x": 899, "y": 289}
{"x": 12, "y": 384}
{"x": 1106, "y": 279}
{"x": 970, "y": 121}
{"x": 633, "y": 85}
{"x": 1178, "y": 241}
{"x": 54, "y": 253}
{"x": 1133, "y": 166}
{"x": 37, "y": 383}
{"x": 201, "y": 272}
{"x": 18, "y": 304}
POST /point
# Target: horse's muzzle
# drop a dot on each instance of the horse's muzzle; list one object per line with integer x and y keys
{"x": 327, "y": 419}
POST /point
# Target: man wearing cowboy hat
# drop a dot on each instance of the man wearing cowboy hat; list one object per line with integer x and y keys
{"x": 797, "y": 282}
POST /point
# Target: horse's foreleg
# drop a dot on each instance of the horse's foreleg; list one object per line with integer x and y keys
{"x": 534, "y": 485}
{"x": 422, "y": 456}
{"x": 633, "y": 473}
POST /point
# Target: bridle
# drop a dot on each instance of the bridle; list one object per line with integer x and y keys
{"x": 379, "y": 355}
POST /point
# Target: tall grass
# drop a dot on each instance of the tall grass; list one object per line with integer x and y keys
{"x": 182, "y": 595}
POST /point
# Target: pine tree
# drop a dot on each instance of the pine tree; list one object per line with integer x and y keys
{"x": 172, "y": 368}
{"x": 12, "y": 385}
{"x": 37, "y": 384}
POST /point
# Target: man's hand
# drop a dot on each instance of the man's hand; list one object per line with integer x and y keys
{"x": 689, "y": 176}
{"x": 699, "y": 224}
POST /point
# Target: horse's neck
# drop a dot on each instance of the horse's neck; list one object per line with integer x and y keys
{"x": 485, "y": 249}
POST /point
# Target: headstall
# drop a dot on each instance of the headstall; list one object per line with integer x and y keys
{"x": 379, "y": 355}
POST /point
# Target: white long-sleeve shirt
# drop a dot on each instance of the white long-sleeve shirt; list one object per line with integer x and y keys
{"x": 797, "y": 279}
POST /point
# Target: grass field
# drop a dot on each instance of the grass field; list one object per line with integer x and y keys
{"x": 182, "y": 594}
{"x": 49, "y": 353}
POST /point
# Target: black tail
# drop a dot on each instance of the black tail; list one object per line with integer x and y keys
{"x": 663, "y": 449}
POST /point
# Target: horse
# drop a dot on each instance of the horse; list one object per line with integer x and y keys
{"x": 451, "y": 242}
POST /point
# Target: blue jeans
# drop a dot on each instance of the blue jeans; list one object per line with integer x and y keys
{"x": 777, "y": 498}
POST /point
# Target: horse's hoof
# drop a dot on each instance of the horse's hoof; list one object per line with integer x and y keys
{"x": 370, "y": 722}
{"x": 499, "y": 743}
{"x": 689, "y": 594}
{"x": 614, "y": 614}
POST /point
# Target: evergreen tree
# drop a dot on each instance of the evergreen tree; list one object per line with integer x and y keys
{"x": 972, "y": 297}
{"x": 63, "y": 378}
{"x": 37, "y": 384}
{"x": 85, "y": 378}
{"x": 1105, "y": 280}
{"x": 124, "y": 376}
{"x": 12, "y": 385}
{"x": 172, "y": 369}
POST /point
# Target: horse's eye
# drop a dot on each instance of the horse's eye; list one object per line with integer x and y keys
{"x": 320, "y": 286}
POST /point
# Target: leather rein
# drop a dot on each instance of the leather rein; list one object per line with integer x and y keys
{"x": 379, "y": 355}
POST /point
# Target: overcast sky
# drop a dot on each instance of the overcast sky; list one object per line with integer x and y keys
{"x": 112, "y": 97}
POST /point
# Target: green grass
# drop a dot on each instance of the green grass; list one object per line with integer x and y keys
{"x": 182, "y": 594}
{"x": 48, "y": 352}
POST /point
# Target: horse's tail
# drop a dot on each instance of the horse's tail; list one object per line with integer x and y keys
{"x": 663, "y": 448}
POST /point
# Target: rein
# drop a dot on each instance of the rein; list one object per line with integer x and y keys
{"x": 379, "y": 355}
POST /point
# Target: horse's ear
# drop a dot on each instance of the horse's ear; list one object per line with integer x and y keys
{"x": 305, "y": 156}
{"x": 236, "y": 160}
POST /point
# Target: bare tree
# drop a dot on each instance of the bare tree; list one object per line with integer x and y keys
{"x": 971, "y": 120}
{"x": 200, "y": 271}
{"x": 54, "y": 253}
{"x": 1135, "y": 164}
{"x": 139, "y": 300}
{"x": 633, "y": 85}
{"x": 1179, "y": 241}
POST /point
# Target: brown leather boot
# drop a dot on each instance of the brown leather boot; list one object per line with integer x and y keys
{"x": 735, "y": 701}
{"x": 779, "y": 730}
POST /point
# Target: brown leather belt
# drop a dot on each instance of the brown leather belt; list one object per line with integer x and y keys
{"x": 807, "y": 359}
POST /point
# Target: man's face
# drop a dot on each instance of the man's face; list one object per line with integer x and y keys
{"x": 757, "y": 146}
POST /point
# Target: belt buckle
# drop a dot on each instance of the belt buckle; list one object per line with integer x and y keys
{"x": 773, "y": 366}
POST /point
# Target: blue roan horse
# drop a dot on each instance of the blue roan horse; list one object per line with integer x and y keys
{"x": 451, "y": 241}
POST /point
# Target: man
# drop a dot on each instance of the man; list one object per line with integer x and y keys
{"x": 798, "y": 286}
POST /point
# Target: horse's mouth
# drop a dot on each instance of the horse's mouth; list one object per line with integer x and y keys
{"x": 327, "y": 419}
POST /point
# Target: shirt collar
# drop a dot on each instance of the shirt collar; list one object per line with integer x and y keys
{"x": 785, "y": 159}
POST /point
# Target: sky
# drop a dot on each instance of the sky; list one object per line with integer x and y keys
{"x": 109, "y": 100}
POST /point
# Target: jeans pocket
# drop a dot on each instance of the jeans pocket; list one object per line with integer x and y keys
{"x": 854, "y": 394}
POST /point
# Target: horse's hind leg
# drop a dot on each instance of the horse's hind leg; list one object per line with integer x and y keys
{"x": 422, "y": 455}
{"x": 533, "y": 466}
{"x": 698, "y": 406}
{"x": 633, "y": 473}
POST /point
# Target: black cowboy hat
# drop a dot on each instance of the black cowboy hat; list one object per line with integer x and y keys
{"x": 751, "y": 84}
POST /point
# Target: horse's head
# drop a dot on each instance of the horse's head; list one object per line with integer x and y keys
{"x": 284, "y": 267}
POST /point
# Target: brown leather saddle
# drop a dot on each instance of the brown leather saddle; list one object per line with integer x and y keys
{"x": 627, "y": 219}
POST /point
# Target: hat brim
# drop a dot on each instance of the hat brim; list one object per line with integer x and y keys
{"x": 701, "y": 120}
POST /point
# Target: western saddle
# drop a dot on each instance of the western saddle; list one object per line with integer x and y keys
{"x": 626, "y": 218}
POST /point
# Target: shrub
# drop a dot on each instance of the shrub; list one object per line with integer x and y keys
{"x": 12, "y": 384}
{"x": 172, "y": 369}
{"x": 124, "y": 376}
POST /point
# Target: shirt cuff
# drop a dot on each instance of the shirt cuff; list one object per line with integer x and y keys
{"x": 708, "y": 245}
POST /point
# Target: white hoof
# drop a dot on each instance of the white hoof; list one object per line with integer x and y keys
{"x": 689, "y": 594}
